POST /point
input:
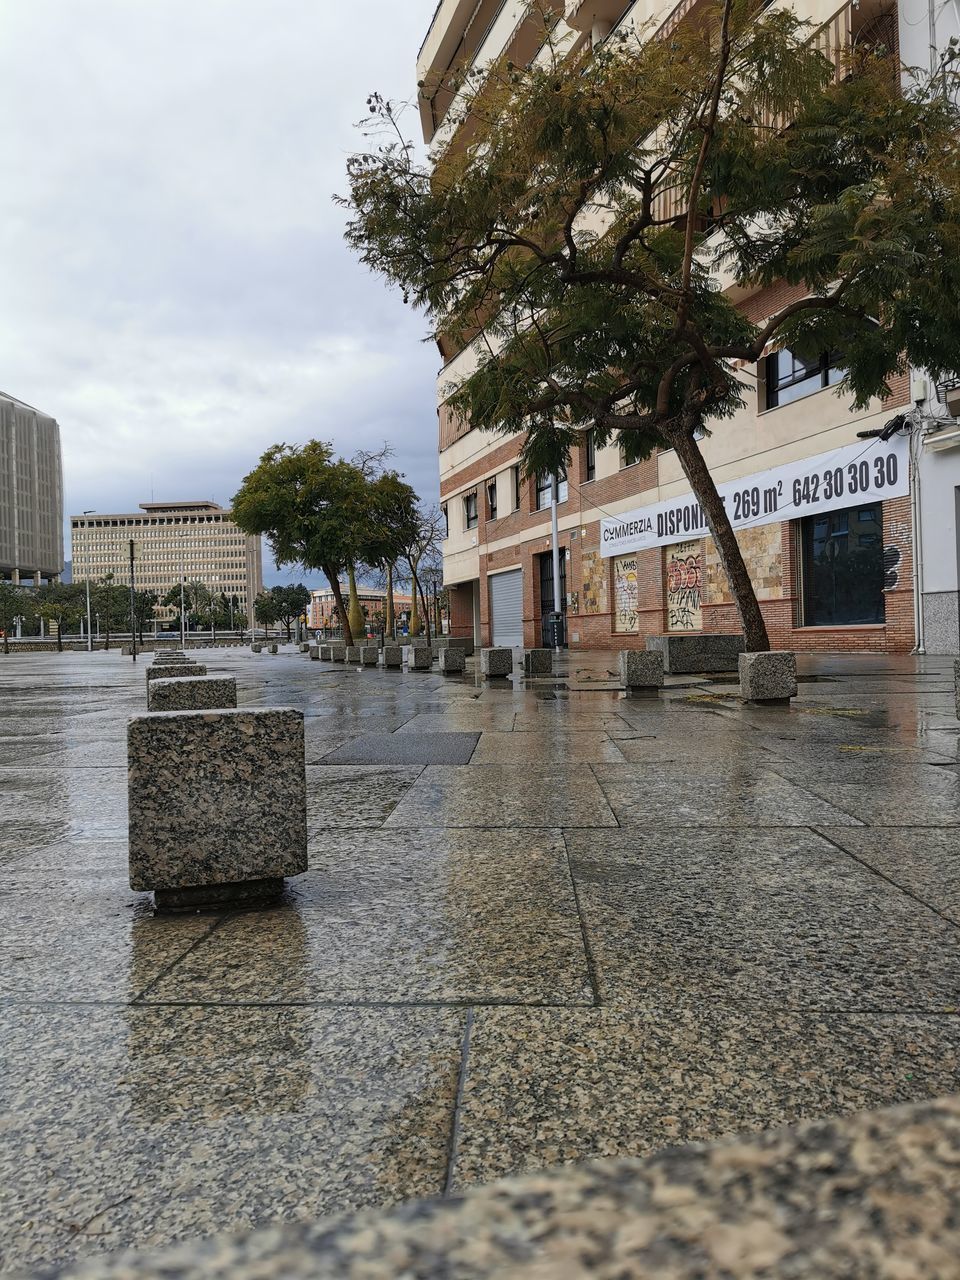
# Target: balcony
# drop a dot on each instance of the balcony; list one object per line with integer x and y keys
{"x": 587, "y": 15}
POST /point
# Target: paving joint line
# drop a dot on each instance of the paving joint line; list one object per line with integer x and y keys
{"x": 592, "y": 972}
{"x": 165, "y": 972}
{"x": 453, "y": 1148}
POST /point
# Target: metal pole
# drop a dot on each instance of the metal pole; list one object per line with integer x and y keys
{"x": 133, "y": 609}
{"x": 555, "y": 531}
{"x": 89, "y": 627}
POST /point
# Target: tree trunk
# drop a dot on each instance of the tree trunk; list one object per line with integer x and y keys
{"x": 414, "y": 627}
{"x": 356, "y": 613}
{"x": 426, "y": 610}
{"x": 341, "y": 608}
{"x": 60, "y": 635}
{"x": 390, "y": 621}
{"x": 731, "y": 557}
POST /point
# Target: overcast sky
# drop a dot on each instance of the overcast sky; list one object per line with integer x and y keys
{"x": 176, "y": 291}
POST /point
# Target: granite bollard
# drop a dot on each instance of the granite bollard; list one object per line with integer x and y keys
{"x": 769, "y": 676}
{"x": 452, "y": 661}
{"x": 175, "y": 672}
{"x": 217, "y": 805}
{"x": 956, "y": 685}
{"x": 353, "y": 655}
{"x": 200, "y": 693}
{"x": 392, "y": 656}
{"x": 304, "y": 647}
{"x": 641, "y": 669}
{"x": 314, "y": 650}
{"x": 338, "y": 652}
{"x": 496, "y": 664}
{"x": 694, "y": 652}
{"x": 256, "y": 648}
{"x": 273, "y": 648}
{"x": 369, "y": 655}
{"x": 537, "y": 662}
{"x": 419, "y": 657}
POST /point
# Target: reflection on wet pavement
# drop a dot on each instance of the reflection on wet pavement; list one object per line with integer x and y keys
{"x": 585, "y": 926}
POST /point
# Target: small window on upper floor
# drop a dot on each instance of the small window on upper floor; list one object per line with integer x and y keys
{"x": 491, "y": 499}
{"x": 788, "y": 377}
{"x": 446, "y": 520}
{"x": 545, "y": 483}
{"x": 515, "y": 474}
{"x": 471, "y": 516}
{"x": 589, "y": 456}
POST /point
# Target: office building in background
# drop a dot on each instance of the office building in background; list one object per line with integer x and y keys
{"x": 31, "y": 494}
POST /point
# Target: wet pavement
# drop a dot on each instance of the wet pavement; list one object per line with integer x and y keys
{"x": 542, "y": 923}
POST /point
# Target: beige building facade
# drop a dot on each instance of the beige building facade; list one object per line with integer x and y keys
{"x": 837, "y": 573}
{"x": 173, "y": 542}
{"x": 31, "y": 494}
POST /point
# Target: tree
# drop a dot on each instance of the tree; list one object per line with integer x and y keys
{"x": 61, "y": 604}
{"x": 144, "y": 609}
{"x": 422, "y": 550}
{"x": 317, "y": 511}
{"x": 578, "y": 234}
{"x": 14, "y": 603}
{"x": 288, "y": 604}
{"x": 265, "y": 610}
{"x": 112, "y": 604}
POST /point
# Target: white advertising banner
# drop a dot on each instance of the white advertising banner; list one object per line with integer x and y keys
{"x": 868, "y": 471}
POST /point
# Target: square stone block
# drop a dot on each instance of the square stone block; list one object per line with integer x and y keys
{"x": 768, "y": 677}
{"x": 338, "y": 652}
{"x": 537, "y": 662}
{"x": 175, "y": 671}
{"x": 392, "y": 655}
{"x": 956, "y": 681}
{"x": 314, "y": 651}
{"x": 697, "y": 651}
{"x": 304, "y": 647}
{"x": 217, "y": 804}
{"x": 353, "y": 654}
{"x": 201, "y": 693}
{"x": 419, "y": 657}
{"x": 256, "y": 648}
{"x": 495, "y": 663}
{"x": 452, "y": 661}
{"x": 369, "y": 655}
{"x": 641, "y": 668}
{"x": 273, "y": 648}
{"x": 458, "y": 642}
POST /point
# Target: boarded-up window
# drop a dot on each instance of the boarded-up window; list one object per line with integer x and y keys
{"x": 626, "y": 594}
{"x": 683, "y": 569}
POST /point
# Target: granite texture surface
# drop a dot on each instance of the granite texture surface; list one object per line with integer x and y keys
{"x": 273, "y": 648}
{"x": 503, "y": 796}
{"x": 338, "y": 653}
{"x": 314, "y": 651}
{"x": 175, "y": 671}
{"x": 325, "y": 652}
{"x": 392, "y": 655}
{"x": 537, "y": 662}
{"x": 452, "y": 661}
{"x": 352, "y": 654}
{"x": 406, "y": 748}
{"x": 641, "y": 668}
{"x": 202, "y": 693}
{"x": 369, "y": 655}
{"x": 419, "y": 657}
{"x": 216, "y": 797}
{"x": 698, "y": 651}
{"x": 874, "y": 1195}
{"x": 496, "y": 663}
{"x": 256, "y": 648}
{"x": 768, "y": 677}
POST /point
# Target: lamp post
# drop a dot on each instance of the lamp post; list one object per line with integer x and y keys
{"x": 89, "y": 628}
{"x": 133, "y": 607}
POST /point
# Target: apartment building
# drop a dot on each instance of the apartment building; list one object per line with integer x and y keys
{"x": 635, "y": 557}
{"x": 31, "y": 494}
{"x": 173, "y": 542}
{"x": 373, "y": 602}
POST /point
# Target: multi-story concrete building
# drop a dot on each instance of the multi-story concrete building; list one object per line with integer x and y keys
{"x": 635, "y": 559}
{"x": 373, "y": 602}
{"x": 31, "y": 494}
{"x": 173, "y": 542}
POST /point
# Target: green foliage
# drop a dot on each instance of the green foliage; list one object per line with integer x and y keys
{"x": 283, "y": 604}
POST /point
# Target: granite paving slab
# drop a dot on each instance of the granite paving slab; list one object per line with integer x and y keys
{"x": 84, "y": 937}
{"x": 724, "y": 795}
{"x": 890, "y": 801}
{"x": 503, "y": 796}
{"x": 775, "y": 918}
{"x": 355, "y": 796}
{"x": 142, "y": 1126}
{"x": 553, "y": 1086}
{"x": 925, "y": 862}
{"x": 554, "y": 748}
{"x": 406, "y": 749}
{"x": 408, "y": 916}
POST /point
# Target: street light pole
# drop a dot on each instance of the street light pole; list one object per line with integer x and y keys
{"x": 555, "y": 531}
{"x": 89, "y": 627}
{"x": 133, "y": 609}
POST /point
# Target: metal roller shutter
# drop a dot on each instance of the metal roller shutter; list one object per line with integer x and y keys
{"x": 506, "y": 609}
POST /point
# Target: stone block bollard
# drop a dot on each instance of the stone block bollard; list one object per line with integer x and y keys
{"x": 537, "y": 662}
{"x": 273, "y": 648}
{"x": 369, "y": 655}
{"x": 256, "y": 648}
{"x": 768, "y": 677}
{"x": 452, "y": 661}
{"x": 392, "y": 656}
{"x": 353, "y": 655}
{"x": 496, "y": 664}
{"x": 175, "y": 671}
{"x": 201, "y": 693}
{"x": 304, "y": 647}
{"x": 697, "y": 651}
{"x": 641, "y": 670}
{"x": 338, "y": 652}
{"x": 217, "y": 806}
{"x": 956, "y": 683}
{"x": 314, "y": 650}
{"x": 419, "y": 657}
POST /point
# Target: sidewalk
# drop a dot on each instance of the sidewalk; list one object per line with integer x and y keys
{"x": 622, "y": 924}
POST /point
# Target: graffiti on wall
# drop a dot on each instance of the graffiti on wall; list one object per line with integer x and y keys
{"x": 594, "y": 582}
{"x": 626, "y": 593}
{"x": 684, "y": 583}
{"x": 891, "y": 568}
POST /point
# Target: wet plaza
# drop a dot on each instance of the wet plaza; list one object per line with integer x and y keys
{"x": 542, "y": 923}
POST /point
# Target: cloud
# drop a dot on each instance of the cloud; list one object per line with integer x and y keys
{"x": 176, "y": 289}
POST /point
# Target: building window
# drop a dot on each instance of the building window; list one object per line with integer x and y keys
{"x": 842, "y": 564}
{"x": 491, "y": 500}
{"x": 471, "y": 518}
{"x": 515, "y": 472}
{"x": 545, "y": 484}
{"x": 446, "y": 520}
{"x": 788, "y": 377}
{"x": 589, "y": 456}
